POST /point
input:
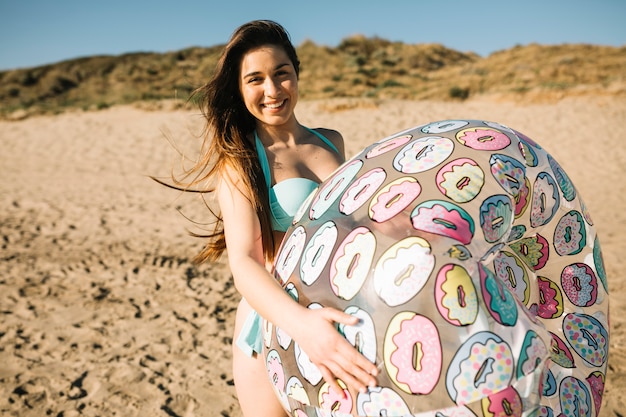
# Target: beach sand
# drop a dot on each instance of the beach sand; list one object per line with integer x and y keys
{"x": 102, "y": 312}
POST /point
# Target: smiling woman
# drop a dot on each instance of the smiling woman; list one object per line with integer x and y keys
{"x": 264, "y": 164}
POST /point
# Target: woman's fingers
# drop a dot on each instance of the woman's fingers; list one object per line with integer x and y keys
{"x": 335, "y": 356}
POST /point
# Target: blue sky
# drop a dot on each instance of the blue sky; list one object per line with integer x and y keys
{"x": 37, "y": 32}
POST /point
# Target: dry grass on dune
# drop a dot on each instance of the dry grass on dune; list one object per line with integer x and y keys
{"x": 358, "y": 67}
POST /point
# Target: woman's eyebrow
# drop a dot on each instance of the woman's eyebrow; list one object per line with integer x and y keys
{"x": 253, "y": 73}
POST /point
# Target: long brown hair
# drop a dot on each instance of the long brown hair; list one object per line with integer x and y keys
{"x": 228, "y": 126}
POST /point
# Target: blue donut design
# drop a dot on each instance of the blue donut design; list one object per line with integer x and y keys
{"x": 549, "y": 384}
{"x": 565, "y": 184}
{"x": 499, "y": 299}
{"x": 570, "y": 235}
{"x": 496, "y": 217}
{"x": 482, "y": 365}
{"x": 444, "y": 126}
{"x": 588, "y": 337}
{"x": 575, "y": 397}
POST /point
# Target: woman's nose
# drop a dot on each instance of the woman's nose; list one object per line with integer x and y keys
{"x": 271, "y": 87}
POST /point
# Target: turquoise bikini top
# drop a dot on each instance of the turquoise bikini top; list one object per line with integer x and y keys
{"x": 287, "y": 195}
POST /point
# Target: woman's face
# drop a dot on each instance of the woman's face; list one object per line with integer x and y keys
{"x": 269, "y": 85}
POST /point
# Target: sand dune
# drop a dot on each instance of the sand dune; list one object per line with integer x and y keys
{"x": 102, "y": 312}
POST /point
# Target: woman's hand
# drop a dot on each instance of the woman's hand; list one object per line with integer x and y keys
{"x": 334, "y": 356}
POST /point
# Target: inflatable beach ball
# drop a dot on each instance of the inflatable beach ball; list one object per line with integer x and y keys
{"x": 474, "y": 268}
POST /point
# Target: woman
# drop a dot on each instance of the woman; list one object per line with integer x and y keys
{"x": 264, "y": 163}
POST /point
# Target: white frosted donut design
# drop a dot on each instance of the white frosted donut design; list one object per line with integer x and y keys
{"x": 545, "y": 200}
{"x": 393, "y": 198}
{"x": 284, "y": 340}
{"x": 361, "y": 190}
{"x": 318, "y": 252}
{"x": 510, "y": 269}
{"x": 423, "y": 154}
{"x": 483, "y": 139}
{"x": 290, "y": 252}
{"x": 295, "y": 389}
{"x": 333, "y": 188}
{"x": 381, "y": 401}
{"x": 307, "y": 369}
{"x": 351, "y": 264}
{"x": 402, "y": 270}
{"x": 362, "y": 335}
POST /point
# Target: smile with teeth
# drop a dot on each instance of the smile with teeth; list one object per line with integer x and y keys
{"x": 274, "y": 105}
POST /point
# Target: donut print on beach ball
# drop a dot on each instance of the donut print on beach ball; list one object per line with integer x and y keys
{"x": 474, "y": 268}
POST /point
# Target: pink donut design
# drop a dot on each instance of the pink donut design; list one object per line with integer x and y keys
{"x": 332, "y": 188}
{"x": 482, "y": 366}
{"x": 550, "y": 299}
{"x": 545, "y": 200}
{"x": 387, "y": 145}
{"x": 318, "y": 252}
{"x": 461, "y": 180}
{"x": 351, "y": 264}
{"x": 483, "y": 139}
{"x": 533, "y": 250}
{"x": 510, "y": 270}
{"x": 579, "y": 284}
{"x": 393, "y": 198}
{"x": 333, "y": 401}
{"x": 361, "y": 190}
{"x": 402, "y": 270}
{"x": 412, "y": 353}
{"x": 381, "y": 401}
{"x": 455, "y": 295}
{"x": 290, "y": 251}
{"x": 423, "y": 154}
{"x": 505, "y": 403}
{"x": 444, "y": 219}
{"x": 275, "y": 370}
{"x": 596, "y": 382}
{"x": 570, "y": 236}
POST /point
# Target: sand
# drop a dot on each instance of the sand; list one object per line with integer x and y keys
{"x": 102, "y": 312}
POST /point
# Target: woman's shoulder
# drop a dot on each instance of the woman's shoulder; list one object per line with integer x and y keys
{"x": 333, "y": 136}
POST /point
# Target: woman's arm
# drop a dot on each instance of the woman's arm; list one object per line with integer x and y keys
{"x": 314, "y": 330}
